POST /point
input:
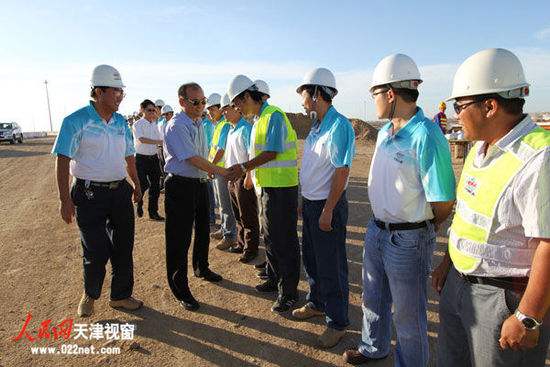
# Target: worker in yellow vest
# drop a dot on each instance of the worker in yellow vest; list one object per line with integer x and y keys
{"x": 495, "y": 286}
{"x": 227, "y": 233}
{"x": 273, "y": 145}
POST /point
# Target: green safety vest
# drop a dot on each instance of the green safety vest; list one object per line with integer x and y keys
{"x": 478, "y": 194}
{"x": 215, "y": 141}
{"x": 283, "y": 170}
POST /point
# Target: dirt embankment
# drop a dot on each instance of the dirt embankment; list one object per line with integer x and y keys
{"x": 363, "y": 130}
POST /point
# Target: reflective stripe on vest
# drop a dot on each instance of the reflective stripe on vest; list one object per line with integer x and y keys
{"x": 283, "y": 170}
{"x": 478, "y": 194}
{"x": 215, "y": 141}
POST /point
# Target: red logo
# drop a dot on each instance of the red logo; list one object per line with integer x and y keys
{"x": 45, "y": 330}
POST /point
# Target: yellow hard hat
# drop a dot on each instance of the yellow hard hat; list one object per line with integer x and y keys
{"x": 442, "y": 105}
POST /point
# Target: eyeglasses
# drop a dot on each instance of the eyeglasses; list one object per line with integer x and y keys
{"x": 373, "y": 95}
{"x": 119, "y": 92}
{"x": 461, "y": 107}
{"x": 196, "y": 102}
{"x": 151, "y": 110}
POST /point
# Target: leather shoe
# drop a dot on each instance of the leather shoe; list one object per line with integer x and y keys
{"x": 209, "y": 275}
{"x": 260, "y": 266}
{"x": 267, "y": 287}
{"x": 353, "y": 356}
{"x": 247, "y": 257}
{"x": 156, "y": 216}
{"x": 189, "y": 303}
{"x": 236, "y": 249}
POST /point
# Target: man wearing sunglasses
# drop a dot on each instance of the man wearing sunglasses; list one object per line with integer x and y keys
{"x": 95, "y": 146}
{"x": 186, "y": 195}
{"x": 495, "y": 280}
{"x": 411, "y": 189}
{"x": 147, "y": 138}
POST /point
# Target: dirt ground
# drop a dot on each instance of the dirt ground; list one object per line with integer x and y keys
{"x": 41, "y": 274}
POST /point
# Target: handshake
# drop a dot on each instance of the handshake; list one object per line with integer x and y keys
{"x": 232, "y": 173}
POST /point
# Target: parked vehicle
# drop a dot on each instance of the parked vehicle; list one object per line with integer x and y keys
{"x": 10, "y": 131}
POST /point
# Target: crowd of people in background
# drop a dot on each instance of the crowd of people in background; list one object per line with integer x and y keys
{"x": 236, "y": 152}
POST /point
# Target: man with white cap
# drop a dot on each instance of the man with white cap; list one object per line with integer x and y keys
{"x": 263, "y": 88}
{"x": 228, "y": 230}
{"x": 495, "y": 299}
{"x": 274, "y": 150}
{"x": 411, "y": 189}
{"x": 328, "y": 152}
{"x": 95, "y": 146}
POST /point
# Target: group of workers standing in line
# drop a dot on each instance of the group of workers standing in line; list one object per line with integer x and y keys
{"x": 494, "y": 281}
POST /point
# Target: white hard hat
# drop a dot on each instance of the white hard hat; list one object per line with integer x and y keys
{"x": 262, "y": 87}
{"x": 213, "y": 100}
{"x": 159, "y": 103}
{"x": 225, "y": 101}
{"x": 106, "y": 76}
{"x": 319, "y": 76}
{"x": 239, "y": 84}
{"x": 166, "y": 108}
{"x": 398, "y": 70}
{"x": 494, "y": 70}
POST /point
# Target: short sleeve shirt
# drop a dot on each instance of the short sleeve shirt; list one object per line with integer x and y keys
{"x": 238, "y": 143}
{"x": 183, "y": 139}
{"x": 145, "y": 129}
{"x": 329, "y": 145}
{"x": 97, "y": 148}
{"x": 409, "y": 170}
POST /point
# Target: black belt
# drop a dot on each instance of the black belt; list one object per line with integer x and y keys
{"x": 517, "y": 284}
{"x": 146, "y": 156}
{"x": 400, "y": 226}
{"x": 112, "y": 185}
{"x": 188, "y": 179}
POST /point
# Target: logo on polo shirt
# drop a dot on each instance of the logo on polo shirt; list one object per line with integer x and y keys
{"x": 399, "y": 157}
{"x": 471, "y": 185}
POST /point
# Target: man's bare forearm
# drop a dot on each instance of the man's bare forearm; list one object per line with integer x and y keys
{"x": 132, "y": 171}
{"x": 150, "y": 141}
{"x": 63, "y": 177}
{"x": 536, "y": 299}
{"x": 262, "y": 158}
{"x": 218, "y": 156}
{"x": 441, "y": 211}
{"x": 203, "y": 164}
{"x": 337, "y": 187}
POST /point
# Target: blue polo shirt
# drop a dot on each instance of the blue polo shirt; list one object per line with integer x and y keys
{"x": 276, "y": 131}
{"x": 208, "y": 128}
{"x": 329, "y": 145}
{"x": 97, "y": 148}
{"x": 183, "y": 139}
{"x": 409, "y": 170}
{"x": 222, "y": 140}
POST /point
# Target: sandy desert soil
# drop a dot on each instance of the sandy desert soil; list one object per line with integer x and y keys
{"x": 41, "y": 274}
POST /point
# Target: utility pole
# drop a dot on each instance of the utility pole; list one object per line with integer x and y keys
{"x": 49, "y": 109}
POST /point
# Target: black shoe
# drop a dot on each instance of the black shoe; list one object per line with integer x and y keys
{"x": 236, "y": 249}
{"x": 283, "y": 304}
{"x": 156, "y": 216}
{"x": 260, "y": 266}
{"x": 263, "y": 274}
{"x": 247, "y": 257}
{"x": 189, "y": 303}
{"x": 267, "y": 287}
{"x": 140, "y": 209}
{"x": 209, "y": 276}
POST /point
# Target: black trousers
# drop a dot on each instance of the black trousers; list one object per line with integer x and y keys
{"x": 186, "y": 205}
{"x": 105, "y": 218}
{"x": 279, "y": 221}
{"x": 148, "y": 169}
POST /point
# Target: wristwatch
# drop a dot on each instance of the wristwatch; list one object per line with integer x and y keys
{"x": 530, "y": 323}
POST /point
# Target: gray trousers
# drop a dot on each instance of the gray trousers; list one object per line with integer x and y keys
{"x": 471, "y": 317}
{"x": 229, "y": 224}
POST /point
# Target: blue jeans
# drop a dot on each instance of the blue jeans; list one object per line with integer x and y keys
{"x": 229, "y": 224}
{"x": 396, "y": 267}
{"x": 212, "y": 201}
{"x": 325, "y": 261}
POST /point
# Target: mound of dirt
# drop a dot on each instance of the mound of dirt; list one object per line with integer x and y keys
{"x": 302, "y": 124}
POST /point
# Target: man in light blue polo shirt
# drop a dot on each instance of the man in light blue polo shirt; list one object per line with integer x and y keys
{"x": 95, "y": 146}
{"x": 328, "y": 152}
{"x": 411, "y": 189}
{"x": 186, "y": 195}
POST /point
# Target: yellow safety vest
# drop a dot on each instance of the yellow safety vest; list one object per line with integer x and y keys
{"x": 478, "y": 194}
{"x": 215, "y": 141}
{"x": 283, "y": 170}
